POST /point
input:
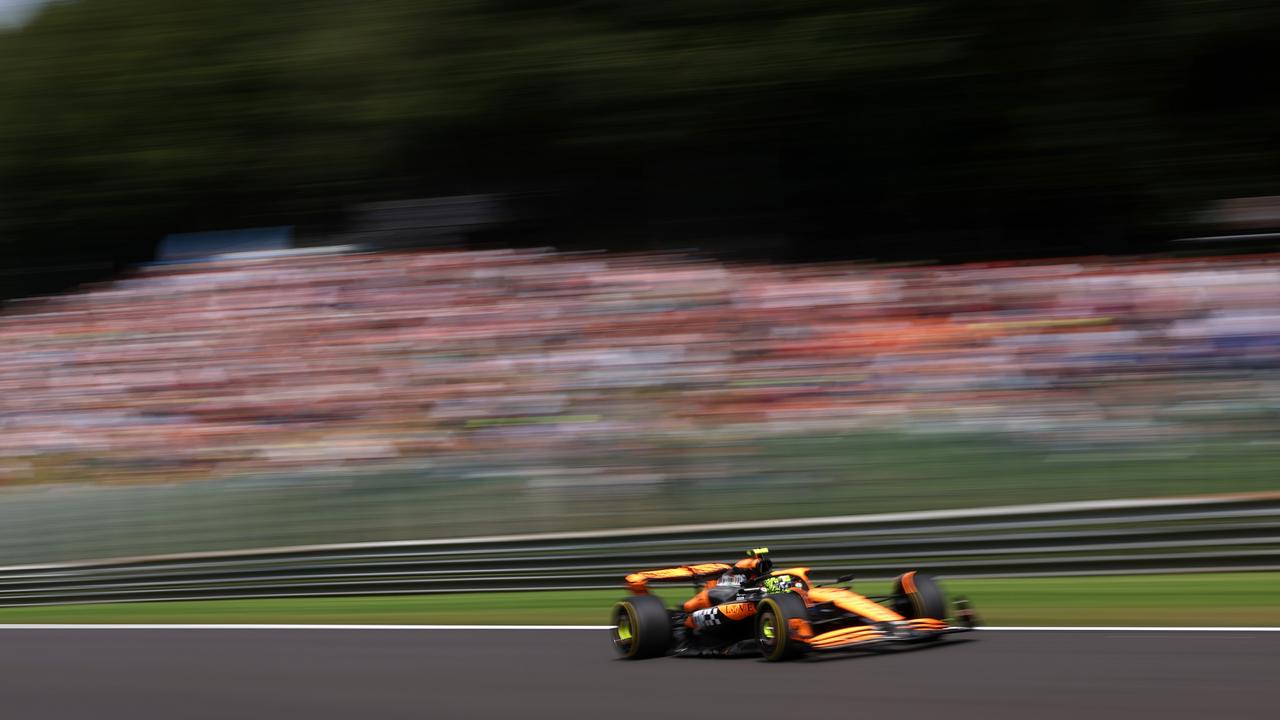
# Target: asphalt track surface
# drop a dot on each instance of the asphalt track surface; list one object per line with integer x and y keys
{"x": 352, "y": 674}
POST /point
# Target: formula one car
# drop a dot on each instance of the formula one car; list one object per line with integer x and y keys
{"x": 748, "y": 609}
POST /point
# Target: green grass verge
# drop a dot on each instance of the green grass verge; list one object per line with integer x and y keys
{"x": 1192, "y": 599}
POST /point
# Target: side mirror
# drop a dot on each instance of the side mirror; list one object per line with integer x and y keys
{"x": 844, "y": 578}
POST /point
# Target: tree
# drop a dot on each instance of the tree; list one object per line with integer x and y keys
{"x": 884, "y": 128}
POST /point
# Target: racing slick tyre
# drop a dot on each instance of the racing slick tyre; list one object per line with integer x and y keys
{"x": 773, "y": 624}
{"x": 916, "y": 595}
{"x": 641, "y": 627}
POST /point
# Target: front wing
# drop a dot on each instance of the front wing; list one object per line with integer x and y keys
{"x": 901, "y": 631}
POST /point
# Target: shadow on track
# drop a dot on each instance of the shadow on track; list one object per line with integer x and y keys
{"x": 818, "y": 657}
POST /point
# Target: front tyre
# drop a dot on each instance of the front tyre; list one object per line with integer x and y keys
{"x": 775, "y": 617}
{"x": 641, "y": 627}
{"x": 916, "y": 595}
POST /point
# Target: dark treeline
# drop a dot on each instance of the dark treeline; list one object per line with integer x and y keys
{"x": 793, "y": 128}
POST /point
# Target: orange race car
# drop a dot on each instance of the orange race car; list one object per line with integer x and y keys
{"x": 748, "y": 608}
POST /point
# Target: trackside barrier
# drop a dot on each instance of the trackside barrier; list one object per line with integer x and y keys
{"x": 1124, "y": 536}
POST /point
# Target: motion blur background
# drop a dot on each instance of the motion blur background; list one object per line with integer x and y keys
{"x": 321, "y": 271}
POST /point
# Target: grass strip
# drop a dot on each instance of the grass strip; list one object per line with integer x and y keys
{"x": 1190, "y": 599}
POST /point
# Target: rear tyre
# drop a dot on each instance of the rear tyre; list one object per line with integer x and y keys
{"x": 773, "y": 626}
{"x": 641, "y": 627}
{"x": 916, "y": 595}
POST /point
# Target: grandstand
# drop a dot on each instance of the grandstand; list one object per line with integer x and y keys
{"x": 267, "y": 362}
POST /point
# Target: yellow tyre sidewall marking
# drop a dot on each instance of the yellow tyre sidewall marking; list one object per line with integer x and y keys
{"x": 634, "y": 644}
{"x": 780, "y": 644}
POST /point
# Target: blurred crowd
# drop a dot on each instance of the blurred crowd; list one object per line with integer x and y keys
{"x": 250, "y": 364}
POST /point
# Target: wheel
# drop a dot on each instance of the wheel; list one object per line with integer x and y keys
{"x": 641, "y": 627}
{"x": 773, "y": 626}
{"x": 917, "y": 595}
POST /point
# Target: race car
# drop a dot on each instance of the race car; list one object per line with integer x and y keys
{"x": 749, "y": 609}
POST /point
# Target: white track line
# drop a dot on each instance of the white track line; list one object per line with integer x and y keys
{"x": 237, "y": 626}
{"x": 1119, "y": 628}
{"x": 160, "y": 626}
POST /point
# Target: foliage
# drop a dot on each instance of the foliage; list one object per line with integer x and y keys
{"x": 874, "y": 128}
